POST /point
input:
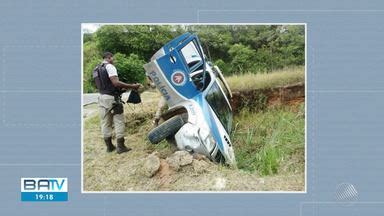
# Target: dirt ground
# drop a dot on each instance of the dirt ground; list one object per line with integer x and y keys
{"x": 112, "y": 172}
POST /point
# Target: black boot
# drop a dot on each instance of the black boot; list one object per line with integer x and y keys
{"x": 121, "y": 148}
{"x": 108, "y": 143}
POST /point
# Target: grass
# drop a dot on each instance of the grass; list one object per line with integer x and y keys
{"x": 283, "y": 77}
{"x": 270, "y": 141}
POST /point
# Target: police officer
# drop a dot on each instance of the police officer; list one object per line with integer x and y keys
{"x": 161, "y": 105}
{"x": 110, "y": 106}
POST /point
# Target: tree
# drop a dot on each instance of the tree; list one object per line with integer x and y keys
{"x": 130, "y": 68}
{"x": 242, "y": 58}
{"x": 142, "y": 40}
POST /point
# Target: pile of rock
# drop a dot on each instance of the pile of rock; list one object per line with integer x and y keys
{"x": 179, "y": 159}
{"x": 176, "y": 162}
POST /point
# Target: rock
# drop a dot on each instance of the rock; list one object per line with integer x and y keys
{"x": 151, "y": 165}
{"x": 179, "y": 159}
{"x": 198, "y": 156}
{"x": 164, "y": 169}
{"x": 200, "y": 166}
{"x": 185, "y": 157}
{"x": 173, "y": 163}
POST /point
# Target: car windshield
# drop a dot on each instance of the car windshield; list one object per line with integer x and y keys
{"x": 201, "y": 80}
{"x": 220, "y": 106}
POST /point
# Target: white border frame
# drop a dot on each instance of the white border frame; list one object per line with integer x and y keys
{"x": 198, "y": 192}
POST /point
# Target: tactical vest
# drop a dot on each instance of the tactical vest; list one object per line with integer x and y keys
{"x": 102, "y": 81}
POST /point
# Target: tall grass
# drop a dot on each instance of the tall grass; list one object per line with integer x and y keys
{"x": 267, "y": 141}
{"x": 251, "y": 81}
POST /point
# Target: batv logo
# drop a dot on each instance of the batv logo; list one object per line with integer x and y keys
{"x": 44, "y": 189}
{"x": 178, "y": 78}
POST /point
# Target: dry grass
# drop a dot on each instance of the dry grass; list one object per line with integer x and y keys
{"x": 277, "y": 78}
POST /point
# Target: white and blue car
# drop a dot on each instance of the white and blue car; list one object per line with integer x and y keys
{"x": 200, "y": 115}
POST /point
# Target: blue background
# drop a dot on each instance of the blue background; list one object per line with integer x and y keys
{"x": 41, "y": 104}
{"x": 44, "y": 196}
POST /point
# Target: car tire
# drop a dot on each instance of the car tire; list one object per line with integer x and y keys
{"x": 166, "y": 129}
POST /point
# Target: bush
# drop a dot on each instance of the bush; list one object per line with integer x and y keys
{"x": 90, "y": 52}
{"x": 88, "y": 83}
{"x": 224, "y": 67}
{"x": 142, "y": 40}
{"x": 130, "y": 69}
{"x": 242, "y": 58}
{"x": 91, "y": 57}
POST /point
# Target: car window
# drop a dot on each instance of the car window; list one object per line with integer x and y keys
{"x": 192, "y": 56}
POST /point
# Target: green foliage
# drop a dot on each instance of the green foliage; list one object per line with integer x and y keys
{"x": 91, "y": 57}
{"x": 90, "y": 52}
{"x": 87, "y": 37}
{"x": 88, "y": 83}
{"x": 216, "y": 40}
{"x": 90, "y": 60}
{"x": 236, "y": 49}
{"x": 268, "y": 140}
{"x": 130, "y": 68}
{"x": 242, "y": 58}
{"x": 224, "y": 67}
{"x": 292, "y": 46}
{"x": 142, "y": 40}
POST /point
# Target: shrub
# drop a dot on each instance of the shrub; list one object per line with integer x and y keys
{"x": 90, "y": 51}
{"x": 88, "y": 83}
{"x": 224, "y": 67}
{"x": 242, "y": 58}
{"x": 130, "y": 68}
{"x": 142, "y": 40}
{"x": 91, "y": 57}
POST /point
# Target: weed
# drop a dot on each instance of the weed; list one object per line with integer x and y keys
{"x": 266, "y": 140}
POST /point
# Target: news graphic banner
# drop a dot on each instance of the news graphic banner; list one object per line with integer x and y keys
{"x": 44, "y": 189}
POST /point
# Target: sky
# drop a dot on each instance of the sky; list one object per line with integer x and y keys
{"x": 90, "y": 27}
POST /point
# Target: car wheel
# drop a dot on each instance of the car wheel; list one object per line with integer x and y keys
{"x": 166, "y": 129}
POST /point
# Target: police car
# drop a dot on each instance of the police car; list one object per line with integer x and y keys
{"x": 200, "y": 115}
